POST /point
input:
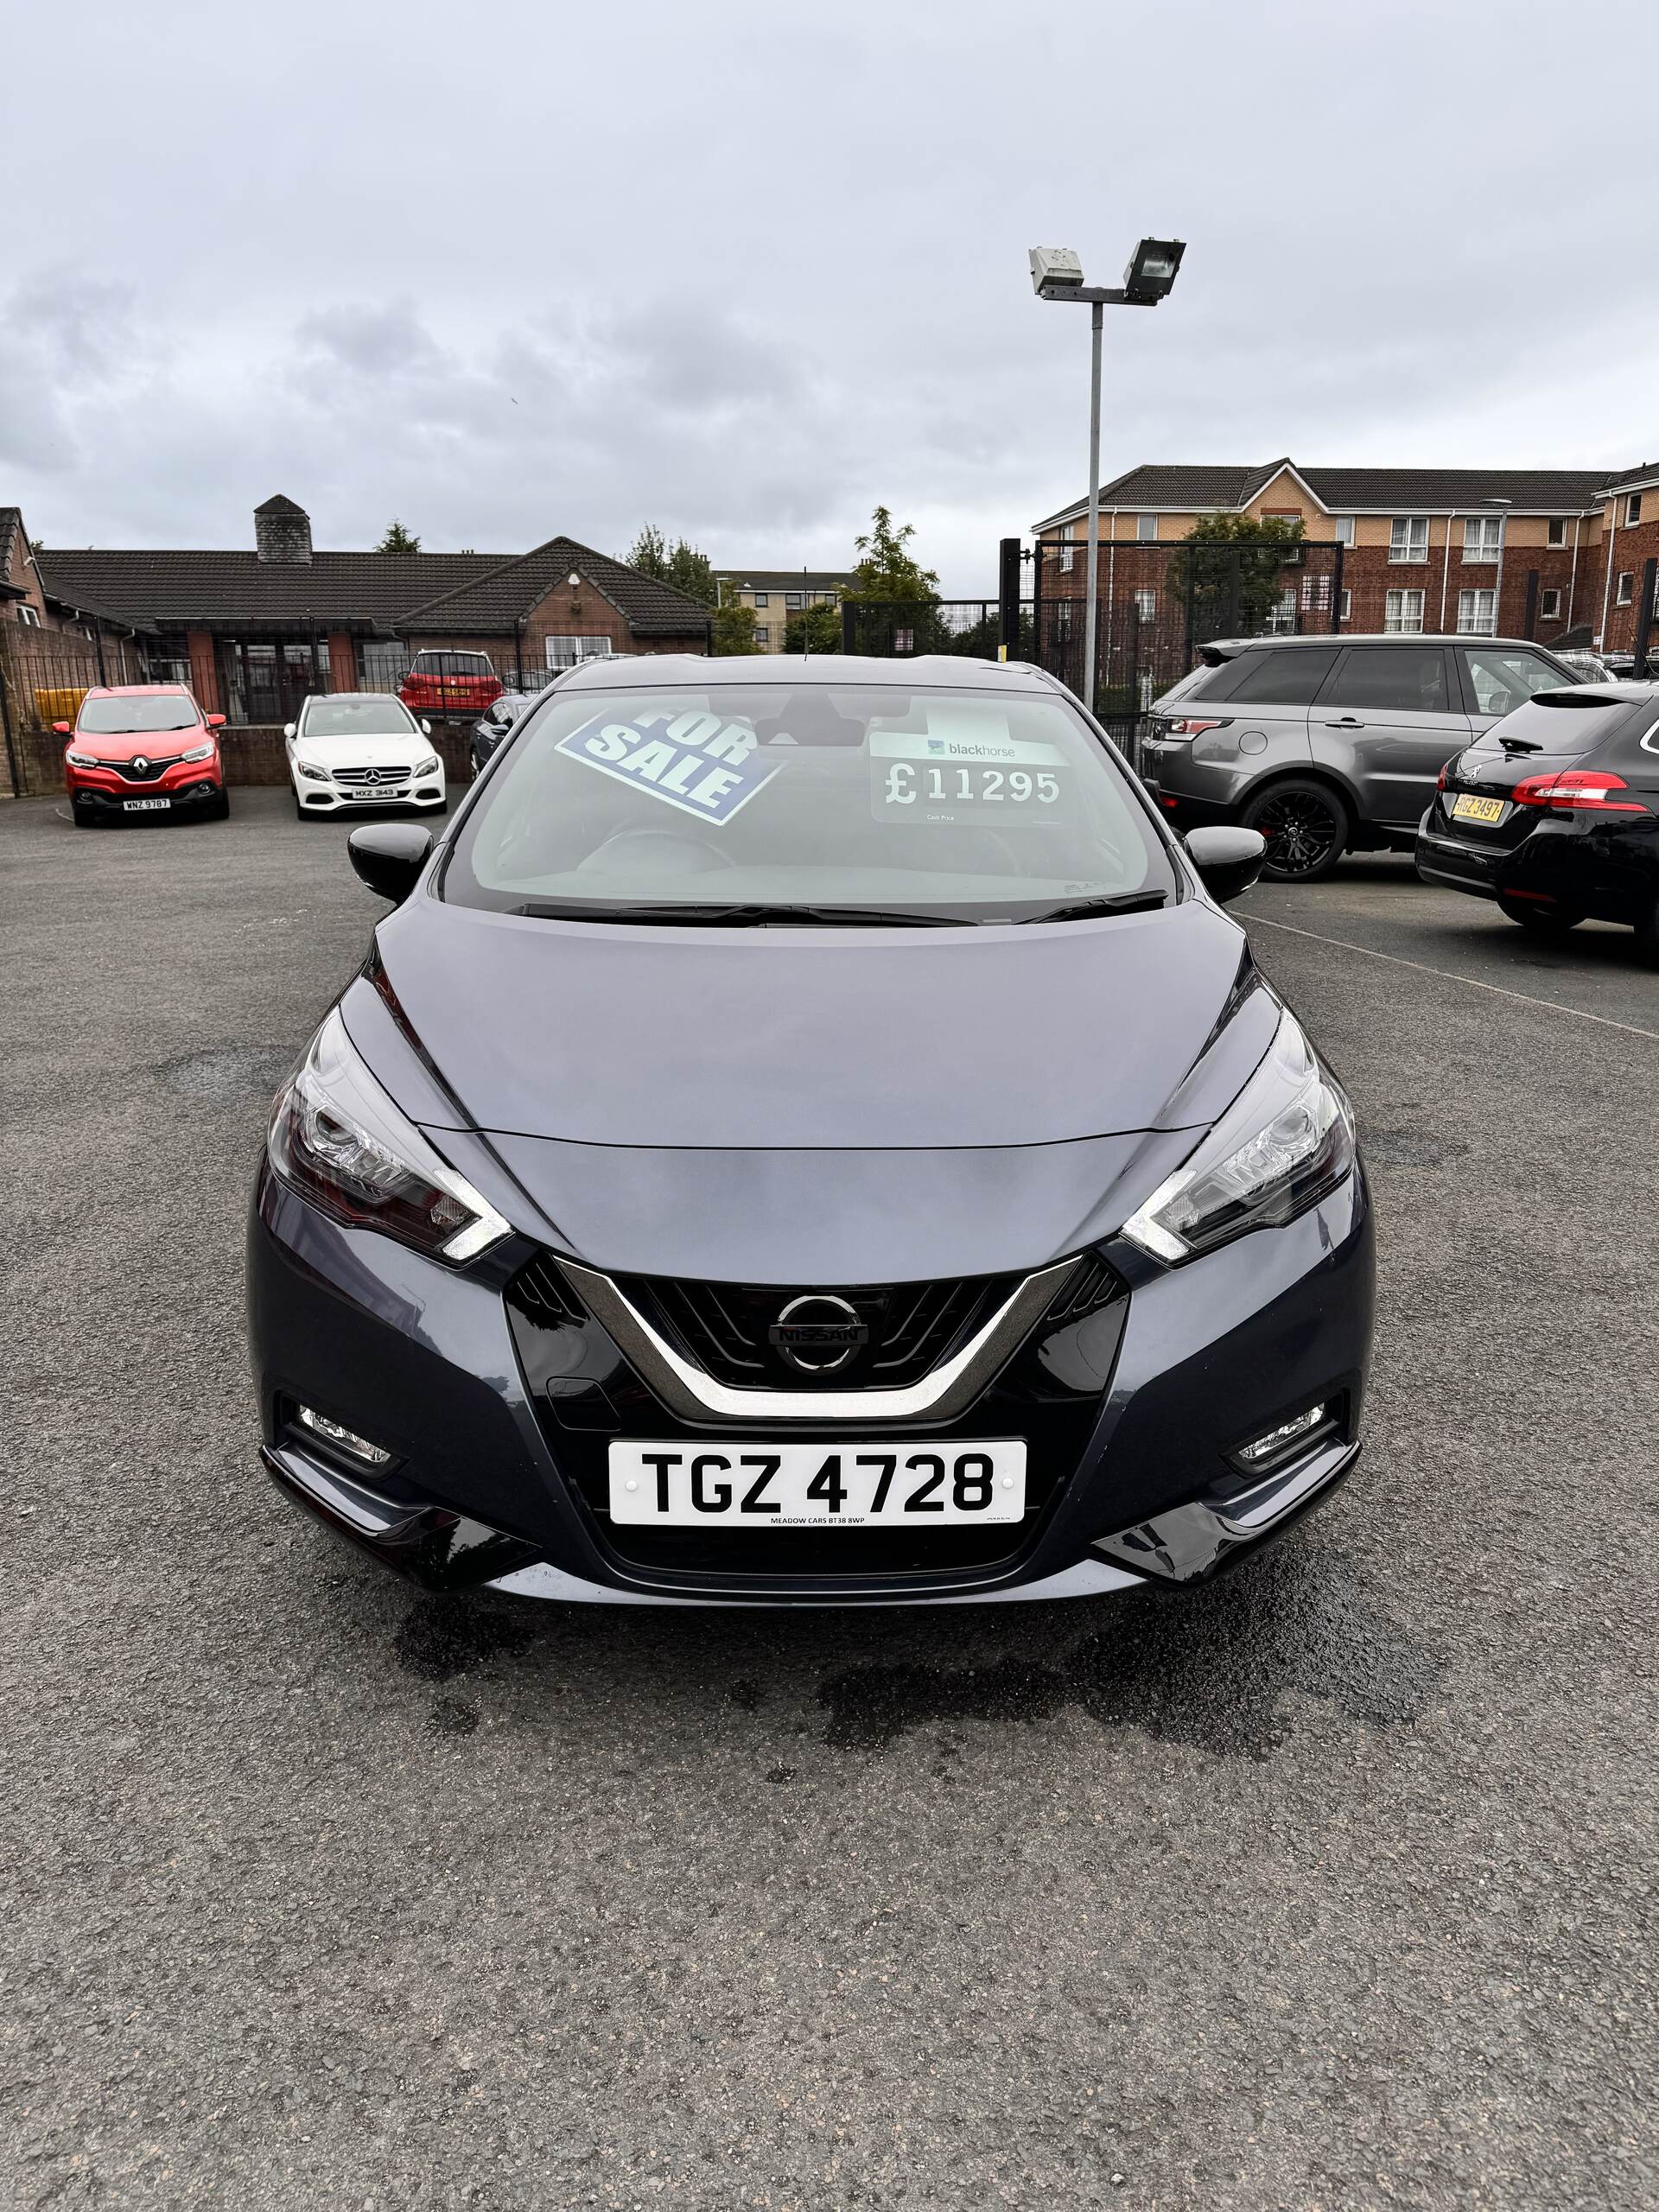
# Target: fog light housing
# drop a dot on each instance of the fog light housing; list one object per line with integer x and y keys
{"x": 343, "y": 1439}
{"x": 1285, "y": 1441}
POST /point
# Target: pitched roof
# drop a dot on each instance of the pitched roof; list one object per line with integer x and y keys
{"x": 496, "y": 601}
{"x": 1202, "y": 488}
{"x": 788, "y": 578}
{"x": 171, "y": 587}
{"x": 1645, "y": 473}
{"x": 11, "y": 521}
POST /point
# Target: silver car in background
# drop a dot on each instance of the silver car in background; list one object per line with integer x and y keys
{"x": 1328, "y": 745}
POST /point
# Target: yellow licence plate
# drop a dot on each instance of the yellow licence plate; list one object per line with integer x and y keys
{"x": 1468, "y": 808}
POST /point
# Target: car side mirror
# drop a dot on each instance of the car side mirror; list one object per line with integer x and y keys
{"x": 288, "y": 729}
{"x": 63, "y": 729}
{"x": 389, "y": 856}
{"x": 1228, "y": 859}
{"x": 426, "y": 727}
{"x": 215, "y": 721}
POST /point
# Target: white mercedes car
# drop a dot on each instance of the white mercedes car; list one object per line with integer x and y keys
{"x": 357, "y": 749}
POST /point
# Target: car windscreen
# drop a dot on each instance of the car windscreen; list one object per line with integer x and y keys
{"x": 356, "y": 718}
{"x": 969, "y": 804}
{"x": 452, "y": 664}
{"x": 127, "y": 717}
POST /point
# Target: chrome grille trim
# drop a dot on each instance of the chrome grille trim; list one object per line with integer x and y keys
{"x": 688, "y": 1392}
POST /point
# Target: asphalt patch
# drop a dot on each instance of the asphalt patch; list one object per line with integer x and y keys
{"x": 1408, "y": 1148}
{"x": 227, "y": 1075}
{"x": 446, "y": 1637}
{"x": 1210, "y": 1667}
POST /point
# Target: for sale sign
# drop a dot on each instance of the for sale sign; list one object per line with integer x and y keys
{"x": 701, "y": 763}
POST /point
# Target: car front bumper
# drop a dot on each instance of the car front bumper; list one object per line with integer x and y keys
{"x": 196, "y": 789}
{"x": 425, "y": 792}
{"x": 485, "y": 1487}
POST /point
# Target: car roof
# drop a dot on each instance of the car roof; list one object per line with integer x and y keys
{"x": 867, "y": 673}
{"x": 387, "y": 698}
{"x": 1280, "y": 642}
{"x": 137, "y": 690}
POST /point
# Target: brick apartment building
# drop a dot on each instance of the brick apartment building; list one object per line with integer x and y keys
{"x": 1545, "y": 553}
{"x": 777, "y": 594}
{"x": 252, "y": 631}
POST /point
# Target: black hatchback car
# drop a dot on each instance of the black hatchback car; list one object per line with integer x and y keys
{"x": 808, "y": 1134}
{"x": 1554, "y": 813}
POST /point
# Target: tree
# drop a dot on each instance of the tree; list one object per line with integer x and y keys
{"x": 397, "y": 540}
{"x": 679, "y": 565}
{"x": 888, "y": 571}
{"x": 816, "y": 630}
{"x": 1234, "y": 571}
{"x": 735, "y": 628}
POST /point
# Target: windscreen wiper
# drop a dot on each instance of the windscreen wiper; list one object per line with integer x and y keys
{"x": 753, "y": 915}
{"x": 1083, "y": 910}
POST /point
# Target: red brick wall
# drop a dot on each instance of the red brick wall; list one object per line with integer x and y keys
{"x": 568, "y": 611}
{"x": 1630, "y": 549}
{"x": 204, "y": 672}
{"x": 342, "y": 662}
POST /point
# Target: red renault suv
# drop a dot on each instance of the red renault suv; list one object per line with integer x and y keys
{"x": 143, "y": 749}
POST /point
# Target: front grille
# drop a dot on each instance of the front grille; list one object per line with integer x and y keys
{"x": 911, "y": 1328}
{"x": 372, "y": 775}
{"x": 131, "y": 772}
{"x": 584, "y": 1394}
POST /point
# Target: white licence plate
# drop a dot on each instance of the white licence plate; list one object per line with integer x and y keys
{"x": 143, "y": 805}
{"x": 815, "y": 1486}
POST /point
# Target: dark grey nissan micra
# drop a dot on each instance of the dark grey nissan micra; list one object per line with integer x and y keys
{"x": 807, "y": 1133}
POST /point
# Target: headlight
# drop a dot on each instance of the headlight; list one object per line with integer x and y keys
{"x": 198, "y": 752}
{"x": 429, "y": 766}
{"x": 81, "y": 759}
{"x": 310, "y": 768}
{"x": 337, "y": 1136}
{"x": 1286, "y": 1140}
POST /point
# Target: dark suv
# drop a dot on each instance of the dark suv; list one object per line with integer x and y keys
{"x": 1328, "y": 745}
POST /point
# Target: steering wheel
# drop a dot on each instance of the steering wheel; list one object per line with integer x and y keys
{"x": 660, "y": 851}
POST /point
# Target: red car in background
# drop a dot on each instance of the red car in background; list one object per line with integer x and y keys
{"x": 142, "y": 748}
{"x": 444, "y": 682}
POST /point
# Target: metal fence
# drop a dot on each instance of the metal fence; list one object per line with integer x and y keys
{"x": 47, "y": 673}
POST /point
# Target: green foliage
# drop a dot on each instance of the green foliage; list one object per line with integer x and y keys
{"x": 397, "y": 540}
{"x": 735, "y": 629}
{"x": 680, "y": 565}
{"x": 887, "y": 569}
{"x": 816, "y": 630}
{"x": 1235, "y": 577}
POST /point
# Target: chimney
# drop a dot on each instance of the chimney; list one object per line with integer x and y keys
{"x": 282, "y": 532}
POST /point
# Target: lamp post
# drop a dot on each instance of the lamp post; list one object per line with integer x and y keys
{"x": 1502, "y": 507}
{"x": 1057, "y": 274}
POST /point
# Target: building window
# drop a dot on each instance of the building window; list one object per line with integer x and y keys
{"x": 1550, "y": 606}
{"x": 762, "y": 634}
{"x": 1282, "y": 617}
{"x": 1403, "y": 610}
{"x": 566, "y": 652}
{"x": 904, "y": 641}
{"x": 1146, "y": 605}
{"x": 792, "y": 599}
{"x": 1146, "y": 529}
{"x": 1558, "y": 529}
{"x": 762, "y": 599}
{"x": 1342, "y": 529}
{"x": 1632, "y": 508}
{"x": 1481, "y": 535}
{"x": 1622, "y": 589}
{"x": 1408, "y": 538}
{"x": 1477, "y": 613}
{"x": 1066, "y": 536}
{"x": 28, "y": 617}
{"x": 1345, "y": 606}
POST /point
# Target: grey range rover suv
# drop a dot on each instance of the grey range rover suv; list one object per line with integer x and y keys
{"x": 1330, "y": 745}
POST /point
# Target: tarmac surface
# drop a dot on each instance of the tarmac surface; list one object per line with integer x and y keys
{"x": 1329, "y": 1886}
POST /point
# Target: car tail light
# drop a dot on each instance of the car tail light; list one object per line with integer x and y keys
{"x": 1576, "y": 791}
{"x": 1440, "y": 785}
{"x": 1195, "y": 725}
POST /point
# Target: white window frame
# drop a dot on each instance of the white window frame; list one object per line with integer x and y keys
{"x": 1624, "y": 589}
{"x": 1632, "y": 508}
{"x": 1400, "y": 618}
{"x": 763, "y": 598}
{"x": 1549, "y": 603}
{"x": 28, "y": 616}
{"x": 1344, "y": 604}
{"x": 1406, "y": 534}
{"x": 1068, "y": 549}
{"x": 1342, "y": 527}
{"x": 586, "y": 648}
{"x": 1146, "y": 530}
{"x": 1557, "y": 530}
{"x": 1482, "y": 539}
{"x": 1281, "y": 616}
{"x": 1474, "y": 620}
{"x": 1145, "y": 604}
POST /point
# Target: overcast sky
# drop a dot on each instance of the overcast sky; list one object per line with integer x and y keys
{"x": 515, "y": 268}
